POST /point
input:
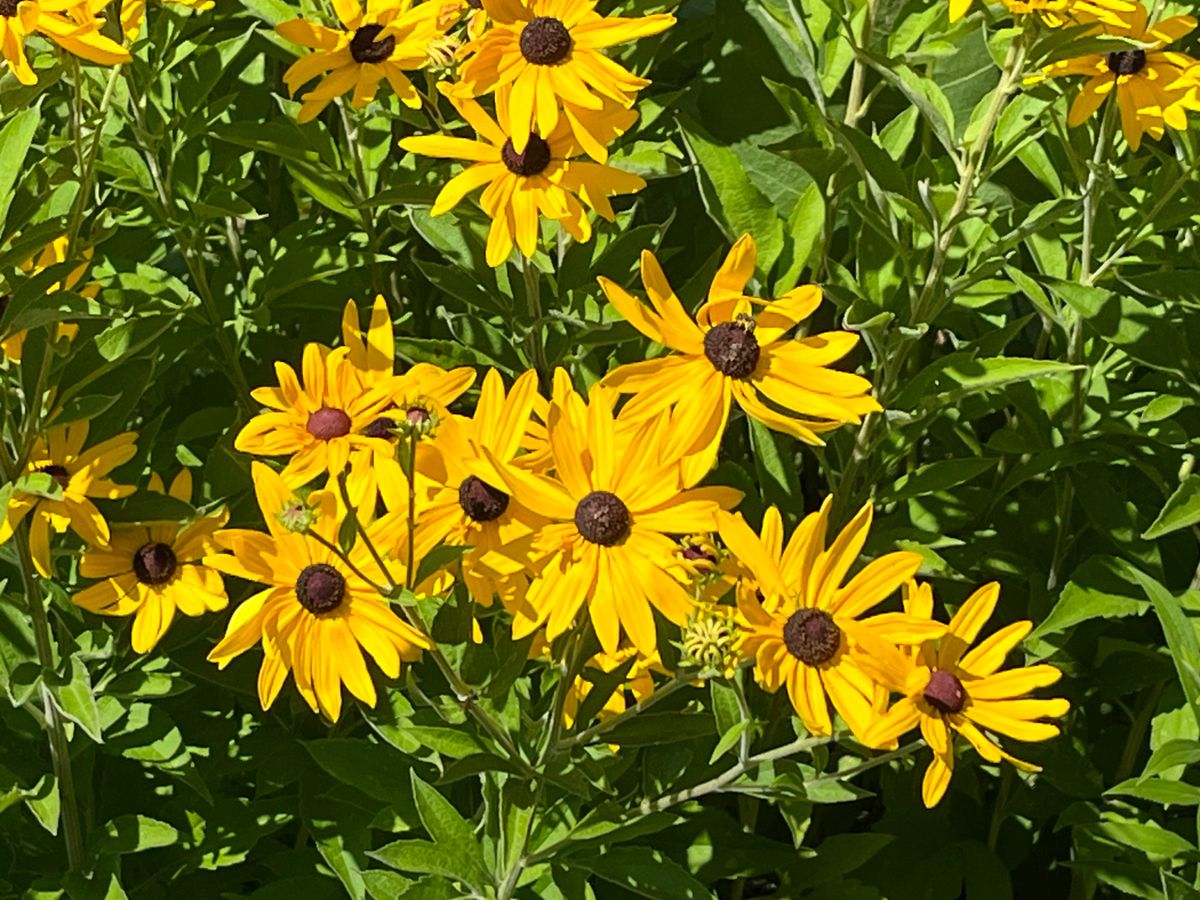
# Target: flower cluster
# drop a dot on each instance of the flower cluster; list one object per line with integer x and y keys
{"x": 557, "y": 99}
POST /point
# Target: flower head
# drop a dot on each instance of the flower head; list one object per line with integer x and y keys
{"x": 608, "y": 509}
{"x": 803, "y": 627}
{"x": 1154, "y": 87}
{"x": 72, "y": 24}
{"x": 730, "y": 352}
{"x": 80, "y": 475}
{"x": 543, "y": 179}
{"x": 1057, "y": 12}
{"x": 384, "y": 39}
{"x": 317, "y": 614}
{"x": 133, "y": 14}
{"x": 544, "y": 55}
{"x": 153, "y": 571}
{"x": 949, "y": 688}
{"x": 52, "y": 254}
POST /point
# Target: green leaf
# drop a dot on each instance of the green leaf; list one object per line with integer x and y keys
{"x": 133, "y": 834}
{"x": 1180, "y": 635}
{"x": 1103, "y": 587}
{"x": 1177, "y": 752}
{"x": 372, "y": 768}
{"x": 804, "y": 227}
{"x": 661, "y": 728}
{"x": 1181, "y": 510}
{"x": 728, "y": 739}
{"x": 447, "y": 741}
{"x": 1157, "y": 790}
{"x": 73, "y": 695}
{"x": 423, "y": 857}
{"x": 643, "y": 871}
{"x": 451, "y": 832}
{"x": 15, "y": 138}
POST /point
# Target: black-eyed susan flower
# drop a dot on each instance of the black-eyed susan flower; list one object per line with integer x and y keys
{"x": 1154, "y": 87}
{"x": 730, "y": 353}
{"x": 52, "y": 254}
{"x": 472, "y": 506}
{"x": 320, "y": 423}
{"x": 152, "y": 571}
{"x": 133, "y": 14}
{"x": 545, "y": 54}
{"x": 317, "y": 614}
{"x": 639, "y": 682}
{"x": 803, "y": 626}
{"x": 73, "y": 25}
{"x": 82, "y": 475}
{"x": 545, "y": 179}
{"x": 1057, "y": 12}
{"x": 949, "y": 688}
{"x": 384, "y": 39}
{"x": 614, "y": 499}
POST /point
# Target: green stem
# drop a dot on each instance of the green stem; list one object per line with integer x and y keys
{"x": 533, "y": 296}
{"x": 854, "y": 103}
{"x": 589, "y": 736}
{"x": 366, "y": 212}
{"x": 60, "y": 749}
{"x": 410, "y": 474}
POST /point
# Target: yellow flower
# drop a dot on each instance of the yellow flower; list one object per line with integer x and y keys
{"x": 1057, "y": 12}
{"x": 133, "y": 14}
{"x": 638, "y": 681}
{"x": 802, "y": 624}
{"x": 384, "y": 40}
{"x": 1154, "y": 86}
{"x": 544, "y": 54}
{"x": 317, "y": 614}
{"x": 471, "y": 507}
{"x": 321, "y": 423}
{"x": 81, "y": 475}
{"x": 728, "y": 354}
{"x": 544, "y": 179}
{"x": 52, "y": 254}
{"x": 150, "y": 571}
{"x": 948, "y": 689}
{"x": 72, "y": 25}
{"x": 613, "y": 501}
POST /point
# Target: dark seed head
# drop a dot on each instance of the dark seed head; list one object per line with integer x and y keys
{"x": 812, "y": 636}
{"x": 693, "y": 552}
{"x": 475, "y": 4}
{"x": 532, "y": 161}
{"x": 8, "y": 8}
{"x": 545, "y": 41}
{"x": 945, "y": 692}
{"x": 320, "y": 588}
{"x": 732, "y": 348}
{"x": 1126, "y": 62}
{"x": 154, "y": 563}
{"x": 328, "y": 423}
{"x": 602, "y": 518}
{"x": 365, "y": 49}
{"x": 480, "y": 500}
{"x": 58, "y": 473}
{"x": 380, "y": 428}
{"x": 417, "y": 416}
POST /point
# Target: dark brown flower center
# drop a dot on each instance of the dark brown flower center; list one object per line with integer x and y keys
{"x": 812, "y": 636}
{"x": 532, "y": 161}
{"x": 364, "y": 47}
{"x": 602, "y": 518}
{"x": 480, "y": 500}
{"x": 154, "y": 563}
{"x": 475, "y": 4}
{"x": 58, "y": 473}
{"x": 545, "y": 41}
{"x": 320, "y": 588}
{"x": 328, "y": 423}
{"x": 8, "y": 8}
{"x": 691, "y": 552}
{"x": 417, "y": 416}
{"x": 945, "y": 692}
{"x": 732, "y": 348}
{"x": 380, "y": 428}
{"x": 1126, "y": 62}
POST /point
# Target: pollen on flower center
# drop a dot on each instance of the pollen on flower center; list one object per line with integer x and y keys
{"x": 602, "y": 518}
{"x": 1126, "y": 62}
{"x": 532, "y": 161}
{"x": 154, "y": 563}
{"x": 328, "y": 423}
{"x": 364, "y": 47}
{"x": 320, "y": 588}
{"x": 545, "y": 41}
{"x": 480, "y": 500}
{"x": 380, "y": 428}
{"x": 945, "y": 692}
{"x": 812, "y": 636}
{"x": 55, "y": 471}
{"x": 732, "y": 348}
{"x": 8, "y": 8}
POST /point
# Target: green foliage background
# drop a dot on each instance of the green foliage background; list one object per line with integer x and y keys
{"x": 1040, "y": 430}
